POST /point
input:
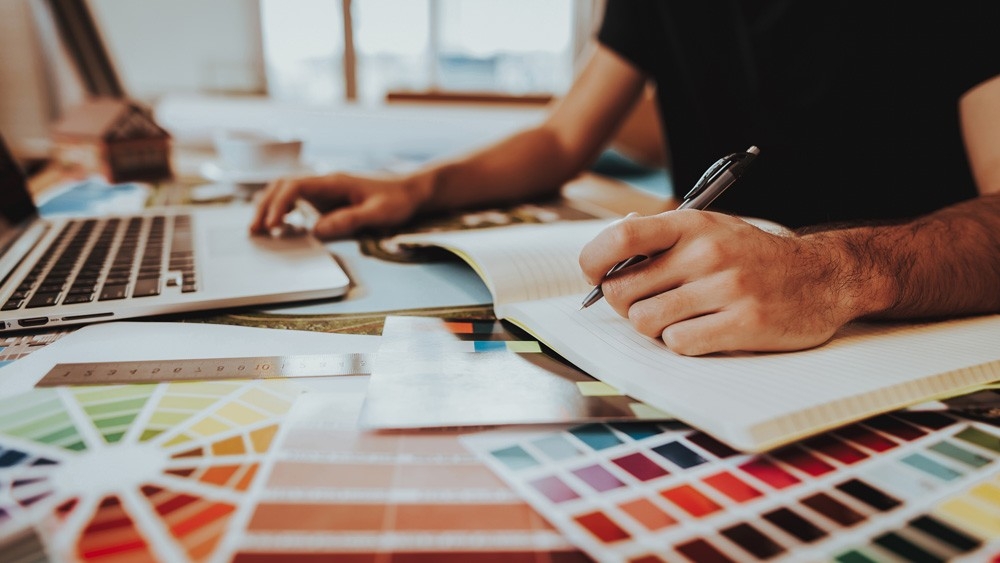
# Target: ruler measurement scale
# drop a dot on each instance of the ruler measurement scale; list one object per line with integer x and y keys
{"x": 153, "y": 371}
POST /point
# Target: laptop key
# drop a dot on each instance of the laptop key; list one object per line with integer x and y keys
{"x": 44, "y": 299}
{"x": 83, "y": 287}
{"x": 78, "y": 298}
{"x": 12, "y": 304}
{"x": 114, "y": 291}
{"x": 146, "y": 287}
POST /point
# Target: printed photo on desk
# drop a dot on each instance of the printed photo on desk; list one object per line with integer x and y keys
{"x": 433, "y": 372}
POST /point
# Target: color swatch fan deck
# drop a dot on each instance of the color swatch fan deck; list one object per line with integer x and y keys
{"x": 250, "y": 472}
{"x": 129, "y": 471}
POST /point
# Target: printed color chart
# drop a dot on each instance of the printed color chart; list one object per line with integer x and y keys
{"x": 137, "y": 472}
{"x": 336, "y": 493}
{"x": 19, "y": 346}
{"x": 247, "y": 471}
{"x": 912, "y": 486}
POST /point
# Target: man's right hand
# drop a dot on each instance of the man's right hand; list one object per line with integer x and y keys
{"x": 346, "y": 202}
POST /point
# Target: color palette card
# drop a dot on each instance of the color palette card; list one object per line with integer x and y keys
{"x": 432, "y": 372}
{"x": 911, "y": 486}
{"x": 334, "y": 493}
{"x": 247, "y": 471}
{"x": 132, "y": 472}
{"x": 18, "y": 346}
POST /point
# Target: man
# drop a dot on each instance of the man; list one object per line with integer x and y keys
{"x": 879, "y": 129}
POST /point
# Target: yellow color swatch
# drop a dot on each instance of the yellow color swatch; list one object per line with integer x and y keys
{"x": 972, "y": 516}
{"x": 242, "y": 415}
{"x": 524, "y": 347}
{"x": 597, "y": 389}
{"x": 646, "y": 412}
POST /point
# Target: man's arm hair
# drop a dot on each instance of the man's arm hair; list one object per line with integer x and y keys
{"x": 942, "y": 264}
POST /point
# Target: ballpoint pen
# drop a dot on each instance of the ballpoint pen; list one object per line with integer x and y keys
{"x": 719, "y": 176}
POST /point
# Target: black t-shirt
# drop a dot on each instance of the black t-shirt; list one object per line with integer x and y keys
{"x": 854, "y": 104}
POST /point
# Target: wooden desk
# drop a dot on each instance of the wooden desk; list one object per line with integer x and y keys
{"x": 245, "y": 477}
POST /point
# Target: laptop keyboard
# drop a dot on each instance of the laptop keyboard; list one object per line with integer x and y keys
{"x": 110, "y": 259}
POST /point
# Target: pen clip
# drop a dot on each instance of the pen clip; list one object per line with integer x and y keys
{"x": 713, "y": 172}
{"x": 716, "y": 169}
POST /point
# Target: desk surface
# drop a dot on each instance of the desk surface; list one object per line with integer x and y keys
{"x": 270, "y": 470}
{"x": 262, "y": 471}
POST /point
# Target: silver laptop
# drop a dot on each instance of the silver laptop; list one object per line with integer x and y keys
{"x": 79, "y": 270}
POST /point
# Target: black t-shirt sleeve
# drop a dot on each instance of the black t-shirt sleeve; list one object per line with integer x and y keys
{"x": 956, "y": 43}
{"x": 953, "y": 44}
{"x": 623, "y": 30}
{"x": 979, "y": 42}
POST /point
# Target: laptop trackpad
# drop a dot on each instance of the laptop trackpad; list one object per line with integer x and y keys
{"x": 227, "y": 243}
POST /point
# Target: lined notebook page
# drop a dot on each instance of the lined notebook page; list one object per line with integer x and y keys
{"x": 758, "y": 401}
{"x": 521, "y": 262}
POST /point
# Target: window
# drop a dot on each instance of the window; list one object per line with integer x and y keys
{"x": 303, "y": 49}
{"x": 511, "y": 47}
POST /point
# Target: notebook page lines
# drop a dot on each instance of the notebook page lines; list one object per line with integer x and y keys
{"x": 522, "y": 262}
{"x": 866, "y": 367}
{"x": 638, "y": 366}
{"x": 527, "y": 274}
{"x": 649, "y": 359}
{"x": 865, "y": 357}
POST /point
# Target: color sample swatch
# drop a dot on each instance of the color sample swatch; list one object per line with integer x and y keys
{"x": 247, "y": 471}
{"x": 18, "y": 346}
{"x": 432, "y": 372}
{"x": 334, "y": 493}
{"x": 911, "y": 486}
{"x": 129, "y": 472}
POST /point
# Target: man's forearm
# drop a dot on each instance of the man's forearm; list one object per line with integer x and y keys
{"x": 529, "y": 165}
{"x": 945, "y": 263}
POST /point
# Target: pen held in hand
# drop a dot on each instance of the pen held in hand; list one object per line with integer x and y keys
{"x": 719, "y": 176}
{"x": 596, "y": 294}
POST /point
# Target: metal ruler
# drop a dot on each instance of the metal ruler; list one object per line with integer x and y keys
{"x": 154, "y": 371}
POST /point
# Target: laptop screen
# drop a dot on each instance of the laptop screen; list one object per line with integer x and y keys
{"x": 15, "y": 201}
{"x": 16, "y": 206}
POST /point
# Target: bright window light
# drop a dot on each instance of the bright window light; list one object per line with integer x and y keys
{"x": 498, "y": 46}
{"x": 484, "y": 29}
{"x": 303, "y": 44}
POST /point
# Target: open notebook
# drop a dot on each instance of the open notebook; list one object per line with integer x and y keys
{"x": 753, "y": 402}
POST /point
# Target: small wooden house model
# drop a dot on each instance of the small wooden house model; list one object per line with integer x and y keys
{"x": 115, "y": 137}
